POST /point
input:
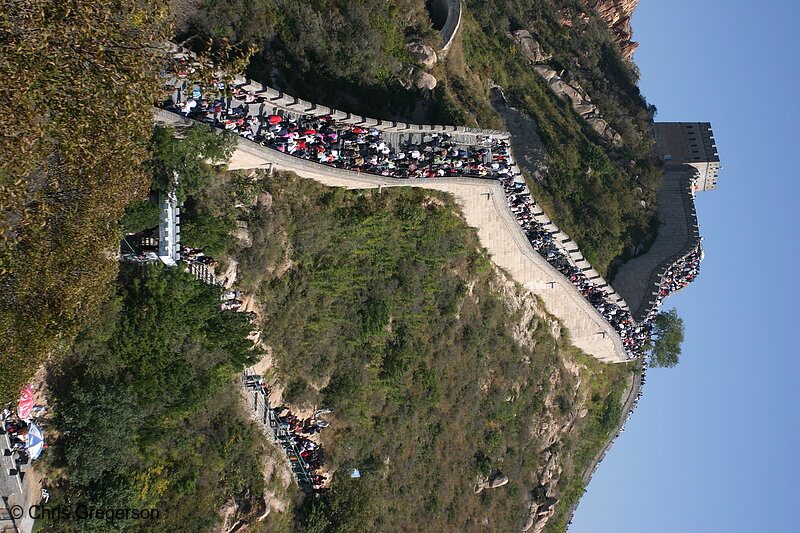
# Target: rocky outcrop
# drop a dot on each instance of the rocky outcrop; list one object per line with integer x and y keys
{"x": 421, "y": 79}
{"x": 617, "y": 14}
{"x": 422, "y": 53}
{"x": 498, "y": 479}
{"x": 571, "y": 91}
{"x": 242, "y": 234}
{"x": 529, "y": 47}
{"x": 539, "y": 514}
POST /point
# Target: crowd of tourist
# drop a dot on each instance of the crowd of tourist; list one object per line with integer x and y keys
{"x": 326, "y": 141}
{"x": 307, "y": 452}
{"x": 678, "y": 275}
{"x": 297, "y": 437}
{"x": 633, "y": 335}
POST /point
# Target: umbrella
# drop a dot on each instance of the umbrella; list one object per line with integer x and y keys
{"x": 26, "y": 402}
{"x": 34, "y": 440}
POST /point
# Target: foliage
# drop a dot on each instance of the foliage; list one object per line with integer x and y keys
{"x": 195, "y": 158}
{"x": 209, "y": 215}
{"x": 79, "y": 79}
{"x": 381, "y": 307}
{"x": 145, "y": 410}
{"x": 139, "y": 216}
{"x": 605, "y": 386}
{"x": 593, "y": 192}
{"x": 667, "y": 339}
{"x": 337, "y": 52}
{"x": 201, "y": 229}
{"x": 347, "y": 508}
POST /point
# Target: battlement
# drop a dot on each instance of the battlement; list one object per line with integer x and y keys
{"x": 692, "y": 144}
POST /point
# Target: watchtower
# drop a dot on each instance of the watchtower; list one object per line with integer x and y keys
{"x": 689, "y": 143}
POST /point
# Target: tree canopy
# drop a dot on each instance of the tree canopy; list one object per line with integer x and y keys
{"x": 667, "y": 339}
{"x": 144, "y": 410}
{"x": 191, "y": 158}
{"x": 79, "y": 81}
{"x": 139, "y": 216}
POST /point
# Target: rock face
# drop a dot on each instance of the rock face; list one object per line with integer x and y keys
{"x": 617, "y": 14}
{"x": 498, "y": 479}
{"x": 581, "y": 103}
{"x": 421, "y": 79}
{"x": 242, "y": 233}
{"x": 422, "y": 53}
{"x": 529, "y": 47}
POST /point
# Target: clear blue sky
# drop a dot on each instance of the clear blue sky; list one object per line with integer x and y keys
{"x": 714, "y": 444}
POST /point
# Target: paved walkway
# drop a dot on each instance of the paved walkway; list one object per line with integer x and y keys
{"x": 484, "y": 206}
{"x": 17, "y": 493}
{"x": 678, "y": 234}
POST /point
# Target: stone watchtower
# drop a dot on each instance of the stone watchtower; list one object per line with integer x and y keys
{"x": 689, "y": 143}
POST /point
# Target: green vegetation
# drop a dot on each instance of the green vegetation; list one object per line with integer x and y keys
{"x": 78, "y": 81}
{"x": 381, "y": 307}
{"x": 147, "y": 413}
{"x": 667, "y": 339}
{"x": 339, "y": 52}
{"x": 593, "y": 192}
{"x": 605, "y": 387}
{"x": 195, "y": 159}
{"x": 139, "y": 216}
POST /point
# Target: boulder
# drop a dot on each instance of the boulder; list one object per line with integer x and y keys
{"x": 529, "y": 47}
{"x": 497, "y": 480}
{"x": 264, "y": 200}
{"x": 242, "y": 233}
{"x": 422, "y": 80}
{"x": 422, "y": 53}
{"x": 617, "y": 14}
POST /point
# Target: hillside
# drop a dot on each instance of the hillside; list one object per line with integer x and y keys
{"x": 602, "y": 196}
{"x": 457, "y": 397}
{"x": 440, "y": 371}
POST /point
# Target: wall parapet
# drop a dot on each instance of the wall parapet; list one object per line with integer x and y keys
{"x": 693, "y": 240}
{"x": 280, "y": 100}
{"x": 640, "y": 280}
{"x": 453, "y": 24}
{"x": 514, "y": 253}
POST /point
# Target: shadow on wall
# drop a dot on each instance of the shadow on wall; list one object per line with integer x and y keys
{"x": 438, "y": 10}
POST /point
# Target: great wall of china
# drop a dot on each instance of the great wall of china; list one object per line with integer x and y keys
{"x": 447, "y": 14}
{"x": 484, "y": 206}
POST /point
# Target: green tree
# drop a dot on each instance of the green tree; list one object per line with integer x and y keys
{"x": 348, "y": 508}
{"x": 139, "y": 216}
{"x": 145, "y": 410}
{"x": 66, "y": 181}
{"x": 195, "y": 157}
{"x": 208, "y": 232}
{"x": 667, "y": 339}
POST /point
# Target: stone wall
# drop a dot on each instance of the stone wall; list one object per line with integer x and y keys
{"x": 453, "y": 24}
{"x": 484, "y": 205}
{"x": 280, "y": 101}
{"x": 678, "y": 235}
